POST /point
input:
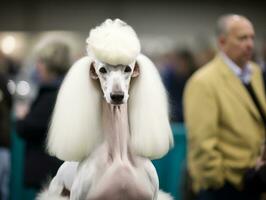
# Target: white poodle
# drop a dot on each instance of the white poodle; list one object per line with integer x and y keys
{"x": 110, "y": 118}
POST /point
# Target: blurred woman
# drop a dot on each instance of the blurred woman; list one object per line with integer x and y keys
{"x": 5, "y": 126}
{"x": 53, "y": 61}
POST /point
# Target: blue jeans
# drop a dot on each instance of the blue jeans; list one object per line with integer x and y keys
{"x": 4, "y": 173}
{"x": 227, "y": 192}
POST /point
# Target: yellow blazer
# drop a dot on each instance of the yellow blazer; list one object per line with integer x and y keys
{"x": 225, "y": 129}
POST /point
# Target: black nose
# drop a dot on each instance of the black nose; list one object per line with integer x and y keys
{"x": 117, "y": 97}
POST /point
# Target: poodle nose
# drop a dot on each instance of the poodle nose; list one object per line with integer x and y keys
{"x": 117, "y": 97}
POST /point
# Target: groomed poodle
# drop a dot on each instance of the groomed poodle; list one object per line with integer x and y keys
{"x": 110, "y": 119}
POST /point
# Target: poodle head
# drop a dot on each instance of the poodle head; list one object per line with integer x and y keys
{"x": 109, "y": 70}
{"x": 114, "y": 47}
{"x": 114, "y": 80}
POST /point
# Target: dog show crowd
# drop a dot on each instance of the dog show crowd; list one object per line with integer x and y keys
{"x": 218, "y": 94}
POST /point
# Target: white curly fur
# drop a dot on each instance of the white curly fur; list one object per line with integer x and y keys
{"x": 47, "y": 195}
{"x": 164, "y": 196}
{"x": 76, "y": 124}
{"x": 113, "y": 42}
{"x": 151, "y": 134}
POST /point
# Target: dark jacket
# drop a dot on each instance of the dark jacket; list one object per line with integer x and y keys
{"x": 174, "y": 84}
{"x": 5, "y": 109}
{"x": 33, "y": 129}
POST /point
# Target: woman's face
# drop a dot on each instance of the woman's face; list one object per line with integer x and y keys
{"x": 42, "y": 72}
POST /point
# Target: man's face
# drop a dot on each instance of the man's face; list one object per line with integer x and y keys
{"x": 238, "y": 43}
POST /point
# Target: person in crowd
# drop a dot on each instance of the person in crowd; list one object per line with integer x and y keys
{"x": 263, "y": 64}
{"x": 175, "y": 74}
{"x": 5, "y": 131}
{"x": 225, "y": 107}
{"x": 52, "y": 62}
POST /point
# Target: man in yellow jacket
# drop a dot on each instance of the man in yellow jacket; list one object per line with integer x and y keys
{"x": 225, "y": 122}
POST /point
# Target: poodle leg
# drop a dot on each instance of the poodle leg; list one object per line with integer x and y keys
{"x": 63, "y": 180}
{"x": 164, "y": 196}
{"x": 159, "y": 194}
{"x": 53, "y": 192}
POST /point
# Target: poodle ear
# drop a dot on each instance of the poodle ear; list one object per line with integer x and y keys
{"x": 76, "y": 123}
{"x": 148, "y": 112}
{"x": 93, "y": 73}
{"x": 135, "y": 70}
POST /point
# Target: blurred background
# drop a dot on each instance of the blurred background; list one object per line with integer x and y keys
{"x": 176, "y": 35}
{"x": 164, "y": 27}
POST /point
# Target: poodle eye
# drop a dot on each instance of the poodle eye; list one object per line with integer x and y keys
{"x": 128, "y": 69}
{"x": 102, "y": 70}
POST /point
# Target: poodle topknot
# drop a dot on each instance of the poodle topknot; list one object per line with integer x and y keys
{"x": 113, "y": 42}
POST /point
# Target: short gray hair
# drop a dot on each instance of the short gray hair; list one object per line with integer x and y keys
{"x": 56, "y": 55}
{"x": 222, "y": 23}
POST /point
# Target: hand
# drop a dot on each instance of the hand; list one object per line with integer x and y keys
{"x": 21, "y": 110}
{"x": 260, "y": 162}
{"x": 263, "y": 152}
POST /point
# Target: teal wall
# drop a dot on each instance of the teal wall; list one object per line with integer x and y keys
{"x": 171, "y": 167}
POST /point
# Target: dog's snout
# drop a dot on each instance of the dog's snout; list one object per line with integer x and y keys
{"x": 117, "y": 97}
